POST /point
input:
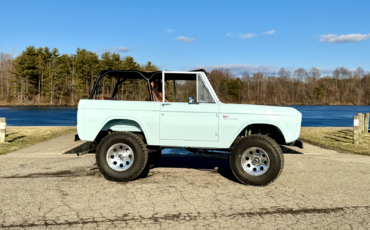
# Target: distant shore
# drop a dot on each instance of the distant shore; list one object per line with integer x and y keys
{"x": 25, "y": 105}
{"x": 252, "y": 103}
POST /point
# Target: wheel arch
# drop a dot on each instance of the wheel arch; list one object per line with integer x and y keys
{"x": 271, "y": 130}
{"x": 116, "y": 124}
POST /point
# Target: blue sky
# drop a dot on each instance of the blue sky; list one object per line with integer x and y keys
{"x": 182, "y": 35}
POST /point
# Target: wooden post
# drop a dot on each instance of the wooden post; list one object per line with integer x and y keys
{"x": 2, "y": 129}
{"x": 360, "y": 125}
{"x": 356, "y": 130}
{"x": 366, "y": 128}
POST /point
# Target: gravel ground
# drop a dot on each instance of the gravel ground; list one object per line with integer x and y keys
{"x": 184, "y": 192}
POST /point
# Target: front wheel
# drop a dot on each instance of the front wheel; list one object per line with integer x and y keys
{"x": 257, "y": 160}
{"x": 121, "y": 156}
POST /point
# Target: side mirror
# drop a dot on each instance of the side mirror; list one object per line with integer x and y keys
{"x": 191, "y": 100}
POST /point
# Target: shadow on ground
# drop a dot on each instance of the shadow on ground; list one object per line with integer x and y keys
{"x": 193, "y": 161}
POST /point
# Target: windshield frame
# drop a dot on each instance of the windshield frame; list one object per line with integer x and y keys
{"x": 198, "y": 74}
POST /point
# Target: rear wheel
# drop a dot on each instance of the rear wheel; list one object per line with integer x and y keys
{"x": 257, "y": 160}
{"x": 121, "y": 156}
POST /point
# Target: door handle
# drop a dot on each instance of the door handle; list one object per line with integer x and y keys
{"x": 163, "y": 104}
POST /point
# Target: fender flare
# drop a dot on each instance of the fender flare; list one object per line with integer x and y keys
{"x": 128, "y": 118}
{"x": 235, "y": 135}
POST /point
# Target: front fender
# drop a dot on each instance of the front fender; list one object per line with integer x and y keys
{"x": 230, "y": 129}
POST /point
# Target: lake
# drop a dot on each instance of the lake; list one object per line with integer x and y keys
{"x": 313, "y": 116}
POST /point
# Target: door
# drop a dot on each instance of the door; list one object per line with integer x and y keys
{"x": 182, "y": 121}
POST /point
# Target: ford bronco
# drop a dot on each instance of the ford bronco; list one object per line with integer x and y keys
{"x": 183, "y": 111}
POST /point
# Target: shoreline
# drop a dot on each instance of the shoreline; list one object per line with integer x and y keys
{"x": 3, "y": 105}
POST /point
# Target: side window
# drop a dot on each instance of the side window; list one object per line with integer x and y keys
{"x": 204, "y": 96}
{"x": 179, "y": 87}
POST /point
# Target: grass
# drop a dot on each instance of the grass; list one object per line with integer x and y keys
{"x": 335, "y": 138}
{"x": 22, "y": 137}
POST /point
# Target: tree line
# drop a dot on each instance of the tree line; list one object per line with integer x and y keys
{"x": 302, "y": 87}
{"x": 43, "y": 76}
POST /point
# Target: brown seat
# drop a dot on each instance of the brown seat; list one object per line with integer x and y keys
{"x": 157, "y": 96}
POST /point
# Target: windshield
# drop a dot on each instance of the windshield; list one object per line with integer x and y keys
{"x": 204, "y": 95}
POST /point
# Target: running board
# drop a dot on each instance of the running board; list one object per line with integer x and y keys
{"x": 216, "y": 155}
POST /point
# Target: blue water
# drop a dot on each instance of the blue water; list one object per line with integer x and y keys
{"x": 313, "y": 116}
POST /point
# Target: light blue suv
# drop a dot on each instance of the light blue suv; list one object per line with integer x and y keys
{"x": 181, "y": 110}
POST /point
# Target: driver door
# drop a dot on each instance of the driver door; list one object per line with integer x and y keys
{"x": 188, "y": 123}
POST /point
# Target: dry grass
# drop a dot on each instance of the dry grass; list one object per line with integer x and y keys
{"x": 335, "y": 138}
{"x": 22, "y": 137}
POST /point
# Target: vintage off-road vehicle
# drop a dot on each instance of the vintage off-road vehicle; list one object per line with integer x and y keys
{"x": 183, "y": 111}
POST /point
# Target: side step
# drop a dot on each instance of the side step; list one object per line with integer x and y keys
{"x": 218, "y": 154}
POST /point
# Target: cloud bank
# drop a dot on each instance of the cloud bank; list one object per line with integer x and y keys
{"x": 119, "y": 49}
{"x": 249, "y": 35}
{"x": 238, "y": 70}
{"x": 246, "y": 36}
{"x": 184, "y": 39}
{"x": 333, "y": 38}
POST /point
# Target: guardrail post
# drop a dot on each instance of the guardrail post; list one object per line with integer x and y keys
{"x": 2, "y": 129}
{"x": 366, "y": 128}
{"x": 356, "y": 130}
{"x": 360, "y": 125}
{"x": 363, "y": 125}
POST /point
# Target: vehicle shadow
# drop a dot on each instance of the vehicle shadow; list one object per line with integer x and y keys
{"x": 195, "y": 161}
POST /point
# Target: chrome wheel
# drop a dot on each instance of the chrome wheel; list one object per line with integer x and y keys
{"x": 255, "y": 161}
{"x": 120, "y": 157}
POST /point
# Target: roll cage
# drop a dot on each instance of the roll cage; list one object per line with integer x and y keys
{"x": 122, "y": 75}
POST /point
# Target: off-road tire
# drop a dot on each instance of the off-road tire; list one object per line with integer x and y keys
{"x": 140, "y": 156}
{"x": 276, "y": 159}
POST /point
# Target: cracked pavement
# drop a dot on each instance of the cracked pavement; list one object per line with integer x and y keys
{"x": 186, "y": 192}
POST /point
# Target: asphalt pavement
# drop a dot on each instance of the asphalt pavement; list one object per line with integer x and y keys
{"x": 318, "y": 188}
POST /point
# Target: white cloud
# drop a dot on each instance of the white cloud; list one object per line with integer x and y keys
{"x": 119, "y": 49}
{"x": 333, "y": 38}
{"x": 240, "y": 69}
{"x": 184, "y": 39}
{"x": 246, "y": 36}
{"x": 169, "y": 30}
{"x": 270, "y": 32}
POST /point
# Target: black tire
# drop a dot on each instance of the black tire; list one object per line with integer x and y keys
{"x": 154, "y": 157}
{"x": 138, "y": 148}
{"x": 272, "y": 149}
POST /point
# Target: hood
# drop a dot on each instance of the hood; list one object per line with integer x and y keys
{"x": 258, "y": 110}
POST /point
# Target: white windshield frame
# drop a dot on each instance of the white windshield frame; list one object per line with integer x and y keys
{"x": 198, "y": 74}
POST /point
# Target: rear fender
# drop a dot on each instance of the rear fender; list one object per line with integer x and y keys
{"x": 117, "y": 124}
